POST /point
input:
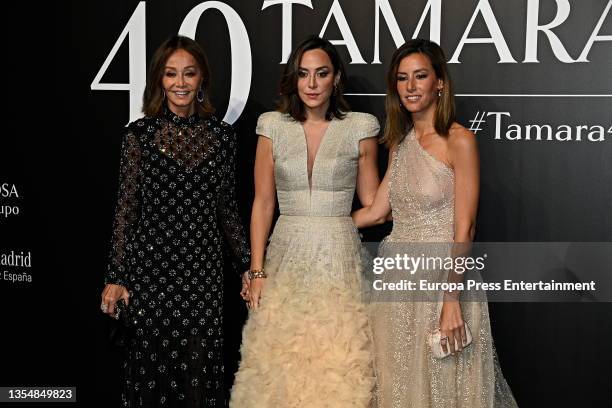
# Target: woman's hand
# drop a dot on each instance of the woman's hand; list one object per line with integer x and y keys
{"x": 110, "y": 295}
{"x": 256, "y": 288}
{"x": 452, "y": 326}
{"x": 245, "y": 292}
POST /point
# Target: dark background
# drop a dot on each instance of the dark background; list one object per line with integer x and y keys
{"x": 61, "y": 149}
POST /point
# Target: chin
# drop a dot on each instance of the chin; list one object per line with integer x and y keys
{"x": 313, "y": 104}
{"x": 182, "y": 104}
{"x": 418, "y": 108}
{"x": 411, "y": 108}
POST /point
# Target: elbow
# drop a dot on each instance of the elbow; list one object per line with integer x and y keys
{"x": 263, "y": 206}
{"x": 471, "y": 231}
{"x": 381, "y": 216}
{"x": 465, "y": 233}
{"x": 380, "y": 220}
{"x": 364, "y": 218}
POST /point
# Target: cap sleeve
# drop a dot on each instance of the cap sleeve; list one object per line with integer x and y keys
{"x": 367, "y": 126}
{"x": 265, "y": 125}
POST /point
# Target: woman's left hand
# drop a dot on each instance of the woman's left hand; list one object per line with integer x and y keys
{"x": 452, "y": 326}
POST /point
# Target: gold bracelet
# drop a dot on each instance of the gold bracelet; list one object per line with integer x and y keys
{"x": 257, "y": 273}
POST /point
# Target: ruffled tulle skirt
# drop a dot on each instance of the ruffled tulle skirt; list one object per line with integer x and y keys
{"x": 309, "y": 342}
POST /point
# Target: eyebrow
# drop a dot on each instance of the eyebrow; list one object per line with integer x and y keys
{"x": 316, "y": 69}
{"x": 416, "y": 70}
{"x": 171, "y": 67}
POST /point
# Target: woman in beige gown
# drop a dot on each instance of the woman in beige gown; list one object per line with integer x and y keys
{"x": 307, "y": 342}
{"x": 431, "y": 187}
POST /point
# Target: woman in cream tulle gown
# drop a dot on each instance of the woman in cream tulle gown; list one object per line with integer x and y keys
{"x": 431, "y": 187}
{"x": 307, "y": 342}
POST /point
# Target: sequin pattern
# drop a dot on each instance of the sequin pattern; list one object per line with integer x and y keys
{"x": 421, "y": 192}
{"x": 176, "y": 210}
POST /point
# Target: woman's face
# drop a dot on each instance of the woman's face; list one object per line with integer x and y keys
{"x": 316, "y": 79}
{"x": 417, "y": 83}
{"x": 181, "y": 81}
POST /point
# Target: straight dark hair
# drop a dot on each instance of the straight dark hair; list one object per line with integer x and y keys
{"x": 153, "y": 99}
{"x": 290, "y": 101}
{"x": 399, "y": 120}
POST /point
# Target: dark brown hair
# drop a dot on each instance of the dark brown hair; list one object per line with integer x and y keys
{"x": 399, "y": 119}
{"x": 153, "y": 99}
{"x": 290, "y": 101}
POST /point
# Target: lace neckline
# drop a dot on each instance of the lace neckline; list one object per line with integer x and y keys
{"x": 180, "y": 120}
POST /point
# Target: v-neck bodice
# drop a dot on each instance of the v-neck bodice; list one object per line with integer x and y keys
{"x": 334, "y": 169}
{"x": 309, "y": 169}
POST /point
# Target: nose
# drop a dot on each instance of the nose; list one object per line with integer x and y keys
{"x": 410, "y": 84}
{"x": 180, "y": 81}
{"x": 312, "y": 82}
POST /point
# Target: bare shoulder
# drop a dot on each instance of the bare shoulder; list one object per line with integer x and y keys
{"x": 461, "y": 140}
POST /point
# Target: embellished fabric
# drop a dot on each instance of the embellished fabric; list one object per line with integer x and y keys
{"x": 309, "y": 345}
{"x": 421, "y": 193}
{"x": 176, "y": 211}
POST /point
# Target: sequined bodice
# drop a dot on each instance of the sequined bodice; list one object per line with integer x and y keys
{"x": 177, "y": 184}
{"x": 421, "y": 195}
{"x": 334, "y": 170}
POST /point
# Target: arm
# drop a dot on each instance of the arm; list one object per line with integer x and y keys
{"x": 228, "y": 214}
{"x": 262, "y": 212}
{"x": 463, "y": 151}
{"x": 126, "y": 215}
{"x": 377, "y": 212}
{"x": 463, "y": 155}
{"x": 367, "y": 172}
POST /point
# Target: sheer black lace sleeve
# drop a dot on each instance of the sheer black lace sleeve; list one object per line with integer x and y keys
{"x": 228, "y": 207}
{"x": 127, "y": 210}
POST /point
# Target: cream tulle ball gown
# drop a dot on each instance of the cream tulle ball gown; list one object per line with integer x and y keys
{"x": 421, "y": 193}
{"x": 309, "y": 344}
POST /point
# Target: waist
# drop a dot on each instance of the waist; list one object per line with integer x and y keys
{"x": 323, "y": 227}
{"x": 318, "y": 203}
{"x": 422, "y": 231}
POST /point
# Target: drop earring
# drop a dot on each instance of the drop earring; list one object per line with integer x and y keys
{"x": 200, "y": 95}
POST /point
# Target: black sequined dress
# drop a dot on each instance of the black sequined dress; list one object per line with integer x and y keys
{"x": 176, "y": 210}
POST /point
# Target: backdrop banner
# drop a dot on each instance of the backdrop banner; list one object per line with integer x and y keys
{"x": 532, "y": 81}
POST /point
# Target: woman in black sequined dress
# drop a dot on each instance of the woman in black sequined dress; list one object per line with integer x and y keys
{"x": 176, "y": 210}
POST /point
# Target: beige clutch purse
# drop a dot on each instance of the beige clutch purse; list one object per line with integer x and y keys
{"x": 436, "y": 348}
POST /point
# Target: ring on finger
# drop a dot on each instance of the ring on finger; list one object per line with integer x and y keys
{"x": 104, "y": 307}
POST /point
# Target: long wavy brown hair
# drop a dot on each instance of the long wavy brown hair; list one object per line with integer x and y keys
{"x": 399, "y": 119}
{"x": 153, "y": 99}
{"x": 290, "y": 101}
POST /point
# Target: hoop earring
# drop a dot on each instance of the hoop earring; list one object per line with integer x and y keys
{"x": 200, "y": 95}
{"x": 163, "y": 94}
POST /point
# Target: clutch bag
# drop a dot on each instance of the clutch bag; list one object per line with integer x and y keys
{"x": 433, "y": 340}
{"x": 120, "y": 329}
